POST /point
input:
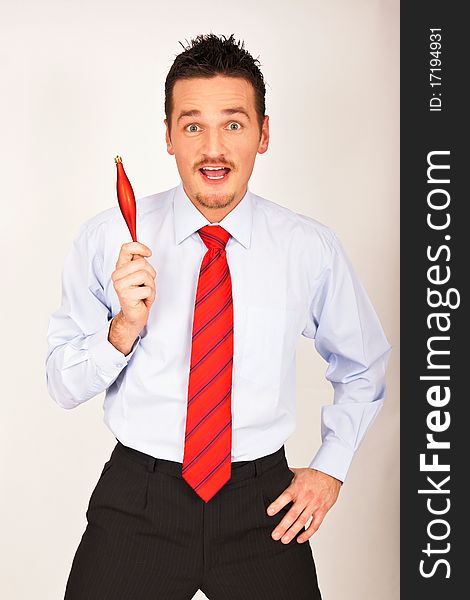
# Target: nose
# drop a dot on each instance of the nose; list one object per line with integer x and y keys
{"x": 213, "y": 142}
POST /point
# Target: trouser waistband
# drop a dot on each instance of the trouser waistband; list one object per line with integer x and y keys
{"x": 240, "y": 469}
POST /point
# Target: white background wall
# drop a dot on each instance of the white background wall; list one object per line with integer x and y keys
{"x": 84, "y": 81}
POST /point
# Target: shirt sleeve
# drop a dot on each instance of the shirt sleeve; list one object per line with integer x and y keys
{"x": 348, "y": 335}
{"x": 81, "y": 362}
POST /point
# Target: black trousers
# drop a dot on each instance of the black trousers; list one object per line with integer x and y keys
{"x": 150, "y": 537}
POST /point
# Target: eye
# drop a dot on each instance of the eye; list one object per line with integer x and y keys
{"x": 235, "y": 123}
{"x": 192, "y": 125}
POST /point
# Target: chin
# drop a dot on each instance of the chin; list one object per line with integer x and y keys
{"x": 215, "y": 199}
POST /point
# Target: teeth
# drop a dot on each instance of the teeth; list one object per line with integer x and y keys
{"x": 204, "y": 169}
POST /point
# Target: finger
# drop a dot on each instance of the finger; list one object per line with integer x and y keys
{"x": 312, "y": 528}
{"x": 280, "y": 502}
{"x": 132, "y": 266}
{"x": 289, "y": 518}
{"x": 134, "y": 279}
{"x": 144, "y": 292}
{"x": 298, "y": 524}
{"x": 148, "y": 300}
{"x": 129, "y": 250}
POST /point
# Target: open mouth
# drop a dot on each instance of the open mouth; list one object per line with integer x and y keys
{"x": 214, "y": 174}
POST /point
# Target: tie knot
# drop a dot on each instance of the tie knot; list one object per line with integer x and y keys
{"x": 214, "y": 236}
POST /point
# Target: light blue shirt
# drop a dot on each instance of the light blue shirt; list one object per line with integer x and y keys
{"x": 290, "y": 277}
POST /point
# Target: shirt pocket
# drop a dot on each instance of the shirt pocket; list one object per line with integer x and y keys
{"x": 263, "y": 345}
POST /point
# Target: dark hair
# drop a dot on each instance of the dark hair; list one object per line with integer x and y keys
{"x": 209, "y": 55}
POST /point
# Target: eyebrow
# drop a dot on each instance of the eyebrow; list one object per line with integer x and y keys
{"x": 226, "y": 111}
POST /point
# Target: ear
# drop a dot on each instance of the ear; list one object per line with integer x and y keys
{"x": 169, "y": 145}
{"x": 264, "y": 139}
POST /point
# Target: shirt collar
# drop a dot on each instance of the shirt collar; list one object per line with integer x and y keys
{"x": 188, "y": 219}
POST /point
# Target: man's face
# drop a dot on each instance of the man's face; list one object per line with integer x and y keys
{"x": 214, "y": 124}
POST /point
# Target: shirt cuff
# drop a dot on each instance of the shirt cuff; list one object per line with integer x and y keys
{"x": 106, "y": 356}
{"x": 333, "y": 459}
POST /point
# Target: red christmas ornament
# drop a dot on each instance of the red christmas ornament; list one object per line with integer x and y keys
{"x": 126, "y": 198}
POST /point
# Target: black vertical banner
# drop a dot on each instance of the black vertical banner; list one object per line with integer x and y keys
{"x": 435, "y": 236}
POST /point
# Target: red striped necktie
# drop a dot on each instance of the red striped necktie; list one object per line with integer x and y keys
{"x": 208, "y": 436}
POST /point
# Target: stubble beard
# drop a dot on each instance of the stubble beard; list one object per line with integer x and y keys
{"x": 215, "y": 200}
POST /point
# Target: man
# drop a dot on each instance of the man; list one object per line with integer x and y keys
{"x": 192, "y": 335}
